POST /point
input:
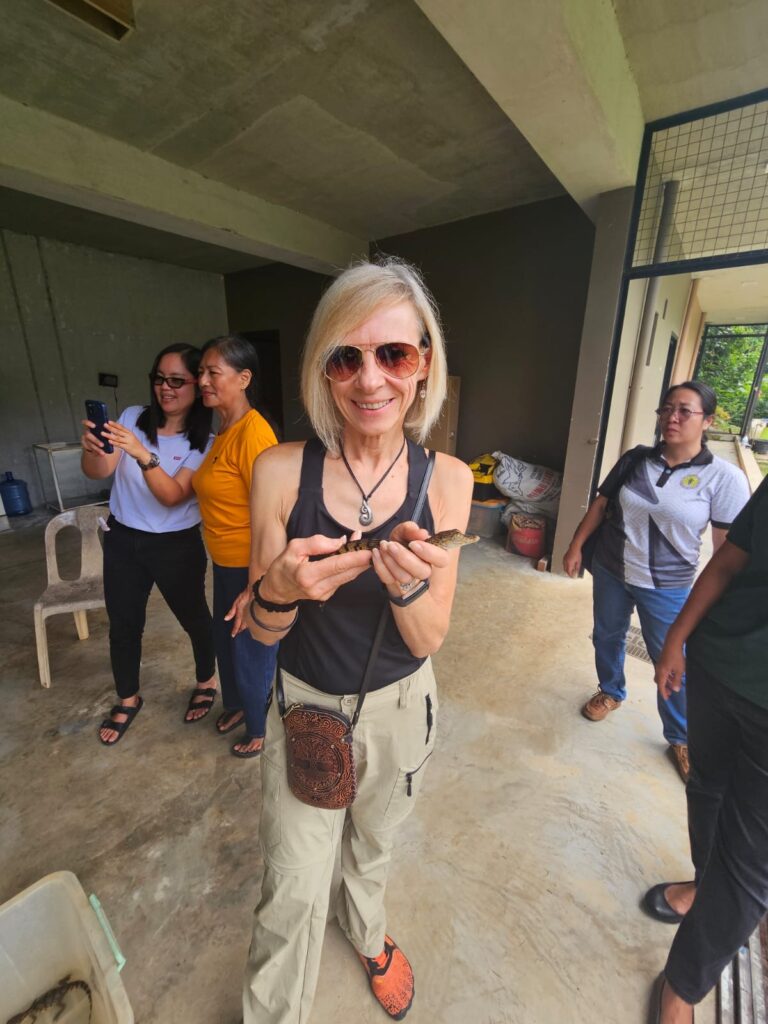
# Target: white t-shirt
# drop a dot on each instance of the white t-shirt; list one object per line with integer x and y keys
{"x": 652, "y": 538}
{"x": 131, "y": 501}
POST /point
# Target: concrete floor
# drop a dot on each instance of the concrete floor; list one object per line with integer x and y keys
{"x": 515, "y": 887}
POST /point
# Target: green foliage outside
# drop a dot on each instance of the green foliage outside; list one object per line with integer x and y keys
{"x": 728, "y": 362}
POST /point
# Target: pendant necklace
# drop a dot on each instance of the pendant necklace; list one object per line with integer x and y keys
{"x": 365, "y": 517}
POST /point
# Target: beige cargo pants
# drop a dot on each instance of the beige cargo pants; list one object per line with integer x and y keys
{"x": 393, "y": 741}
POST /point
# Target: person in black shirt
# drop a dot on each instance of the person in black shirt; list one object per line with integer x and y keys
{"x": 723, "y": 630}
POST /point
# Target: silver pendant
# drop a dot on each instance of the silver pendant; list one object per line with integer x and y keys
{"x": 366, "y": 516}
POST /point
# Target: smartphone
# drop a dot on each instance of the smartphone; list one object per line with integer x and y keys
{"x": 98, "y": 414}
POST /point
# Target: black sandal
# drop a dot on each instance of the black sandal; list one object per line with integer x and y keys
{"x": 232, "y": 725}
{"x": 209, "y": 693}
{"x": 119, "y": 727}
{"x": 244, "y": 742}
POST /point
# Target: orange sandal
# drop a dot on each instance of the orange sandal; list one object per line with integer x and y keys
{"x": 391, "y": 979}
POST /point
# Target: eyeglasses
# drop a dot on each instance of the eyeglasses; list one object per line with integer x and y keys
{"x": 395, "y": 358}
{"x": 682, "y": 411}
{"x": 173, "y": 382}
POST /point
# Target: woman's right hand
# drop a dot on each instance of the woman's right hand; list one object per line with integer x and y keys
{"x": 293, "y": 577}
{"x": 91, "y": 444}
{"x": 572, "y": 560}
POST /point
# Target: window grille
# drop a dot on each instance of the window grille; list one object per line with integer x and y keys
{"x": 718, "y": 163}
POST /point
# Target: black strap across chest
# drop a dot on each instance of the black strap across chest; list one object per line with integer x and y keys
{"x": 385, "y": 609}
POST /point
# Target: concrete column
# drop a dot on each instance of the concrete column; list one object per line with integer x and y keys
{"x": 590, "y": 394}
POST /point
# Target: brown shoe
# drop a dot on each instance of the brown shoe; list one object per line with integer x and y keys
{"x": 679, "y": 754}
{"x": 600, "y": 706}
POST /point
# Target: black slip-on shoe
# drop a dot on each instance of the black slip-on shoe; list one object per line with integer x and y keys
{"x": 655, "y": 903}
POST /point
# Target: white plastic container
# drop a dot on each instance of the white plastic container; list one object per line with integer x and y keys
{"x": 51, "y": 930}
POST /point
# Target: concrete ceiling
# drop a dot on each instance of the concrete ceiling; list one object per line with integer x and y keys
{"x": 300, "y": 131}
{"x": 736, "y": 295}
{"x": 687, "y": 54}
{"x": 357, "y": 113}
{"x": 33, "y": 215}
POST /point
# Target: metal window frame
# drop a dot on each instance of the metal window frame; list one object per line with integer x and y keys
{"x": 631, "y": 273}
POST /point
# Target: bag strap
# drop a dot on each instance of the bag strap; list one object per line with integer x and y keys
{"x": 381, "y": 625}
{"x": 636, "y": 456}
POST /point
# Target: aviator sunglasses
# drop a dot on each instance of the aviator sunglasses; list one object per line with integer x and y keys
{"x": 397, "y": 359}
{"x": 173, "y": 382}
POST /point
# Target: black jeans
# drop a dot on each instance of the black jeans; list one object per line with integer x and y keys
{"x": 133, "y": 562}
{"x": 728, "y": 825}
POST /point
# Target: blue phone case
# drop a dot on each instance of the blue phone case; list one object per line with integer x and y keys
{"x": 98, "y": 413}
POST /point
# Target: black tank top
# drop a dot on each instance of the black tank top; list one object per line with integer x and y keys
{"x": 328, "y": 647}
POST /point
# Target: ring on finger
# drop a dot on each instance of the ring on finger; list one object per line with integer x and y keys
{"x": 405, "y": 587}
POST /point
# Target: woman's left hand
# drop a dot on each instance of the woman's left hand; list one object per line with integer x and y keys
{"x": 405, "y": 558}
{"x": 238, "y": 611}
{"x": 121, "y": 437}
{"x": 670, "y": 668}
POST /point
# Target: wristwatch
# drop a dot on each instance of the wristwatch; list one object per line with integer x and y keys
{"x": 154, "y": 460}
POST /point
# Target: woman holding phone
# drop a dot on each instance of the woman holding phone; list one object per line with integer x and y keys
{"x": 153, "y": 530}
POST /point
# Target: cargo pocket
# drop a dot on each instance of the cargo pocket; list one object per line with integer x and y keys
{"x": 270, "y": 828}
{"x": 407, "y": 786}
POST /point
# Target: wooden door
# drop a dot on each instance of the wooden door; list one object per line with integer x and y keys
{"x": 443, "y": 435}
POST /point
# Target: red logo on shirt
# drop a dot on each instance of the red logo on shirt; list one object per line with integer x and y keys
{"x": 177, "y": 458}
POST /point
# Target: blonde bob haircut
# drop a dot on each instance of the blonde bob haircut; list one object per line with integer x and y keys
{"x": 353, "y": 297}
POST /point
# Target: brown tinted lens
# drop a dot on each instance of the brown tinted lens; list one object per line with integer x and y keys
{"x": 398, "y": 359}
{"x": 343, "y": 363}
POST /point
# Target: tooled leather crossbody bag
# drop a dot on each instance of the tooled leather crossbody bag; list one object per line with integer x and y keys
{"x": 321, "y": 760}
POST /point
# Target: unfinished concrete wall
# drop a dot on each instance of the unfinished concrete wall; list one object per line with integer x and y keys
{"x": 600, "y": 321}
{"x": 278, "y": 298}
{"x": 625, "y": 361}
{"x": 68, "y": 312}
{"x": 511, "y": 287}
{"x": 690, "y": 337}
{"x": 643, "y": 371}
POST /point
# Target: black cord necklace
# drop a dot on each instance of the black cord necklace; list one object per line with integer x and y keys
{"x": 365, "y": 517}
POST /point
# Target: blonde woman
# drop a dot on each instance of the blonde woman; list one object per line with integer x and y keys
{"x": 373, "y": 373}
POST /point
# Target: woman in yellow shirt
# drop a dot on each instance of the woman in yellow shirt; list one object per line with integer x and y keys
{"x": 228, "y": 381}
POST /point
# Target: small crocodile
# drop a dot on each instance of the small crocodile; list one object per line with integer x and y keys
{"x": 446, "y": 539}
{"x": 53, "y": 999}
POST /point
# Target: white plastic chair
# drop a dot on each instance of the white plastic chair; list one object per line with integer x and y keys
{"x": 74, "y": 596}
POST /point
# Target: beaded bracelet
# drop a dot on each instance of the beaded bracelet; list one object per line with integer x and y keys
{"x": 270, "y": 606}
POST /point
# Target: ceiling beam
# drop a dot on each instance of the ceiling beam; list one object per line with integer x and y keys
{"x": 57, "y": 159}
{"x": 558, "y": 70}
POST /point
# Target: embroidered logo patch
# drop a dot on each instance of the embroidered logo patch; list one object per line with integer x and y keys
{"x": 690, "y": 481}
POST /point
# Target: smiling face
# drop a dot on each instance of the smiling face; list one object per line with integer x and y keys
{"x": 221, "y": 386}
{"x": 677, "y": 427}
{"x": 371, "y": 402}
{"x": 175, "y": 401}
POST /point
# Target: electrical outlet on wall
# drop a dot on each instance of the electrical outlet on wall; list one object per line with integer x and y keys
{"x": 108, "y": 380}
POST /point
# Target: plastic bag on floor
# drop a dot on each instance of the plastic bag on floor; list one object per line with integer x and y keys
{"x": 531, "y": 489}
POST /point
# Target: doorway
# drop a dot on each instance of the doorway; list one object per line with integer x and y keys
{"x": 267, "y": 345}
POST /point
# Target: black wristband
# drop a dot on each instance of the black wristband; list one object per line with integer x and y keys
{"x": 270, "y": 606}
{"x": 401, "y": 602}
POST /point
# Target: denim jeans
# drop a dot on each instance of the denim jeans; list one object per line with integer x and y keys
{"x": 728, "y": 825}
{"x": 613, "y": 602}
{"x": 246, "y": 666}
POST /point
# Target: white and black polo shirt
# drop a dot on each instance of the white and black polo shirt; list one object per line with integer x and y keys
{"x": 651, "y": 536}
